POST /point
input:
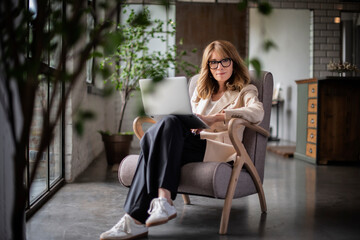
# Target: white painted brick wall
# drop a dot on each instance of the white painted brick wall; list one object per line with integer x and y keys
{"x": 327, "y": 34}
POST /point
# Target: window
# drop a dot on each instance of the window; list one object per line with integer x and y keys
{"x": 49, "y": 176}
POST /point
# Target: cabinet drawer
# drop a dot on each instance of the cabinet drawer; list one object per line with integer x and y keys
{"x": 311, "y": 135}
{"x": 312, "y": 90}
{"x": 311, "y": 150}
{"x": 312, "y": 105}
{"x": 312, "y": 121}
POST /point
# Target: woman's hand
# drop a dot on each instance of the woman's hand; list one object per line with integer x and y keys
{"x": 196, "y": 131}
{"x": 210, "y": 120}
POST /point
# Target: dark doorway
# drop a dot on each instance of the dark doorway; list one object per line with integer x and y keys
{"x": 198, "y": 24}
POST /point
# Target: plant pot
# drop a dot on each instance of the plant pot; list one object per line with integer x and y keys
{"x": 116, "y": 147}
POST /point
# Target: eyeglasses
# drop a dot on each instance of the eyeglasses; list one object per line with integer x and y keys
{"x": 224, "y": 62}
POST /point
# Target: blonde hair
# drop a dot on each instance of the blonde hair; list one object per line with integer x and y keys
{"x": 207, "y": 85}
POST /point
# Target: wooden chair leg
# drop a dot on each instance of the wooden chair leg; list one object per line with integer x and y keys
{"x": 262, "y": 199}
{"x": 186, "y": 199}
{"x": 250, "y": 167}
{"x": 260, "y": 190}
{"x": 229, "y": 196}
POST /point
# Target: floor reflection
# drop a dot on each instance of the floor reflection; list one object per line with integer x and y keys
{"x": 304, "y": 201}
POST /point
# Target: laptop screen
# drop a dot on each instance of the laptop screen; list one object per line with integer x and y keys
{"x": 169, "y": 96}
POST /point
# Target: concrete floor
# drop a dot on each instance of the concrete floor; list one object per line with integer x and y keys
{"x": 304, "y": 202}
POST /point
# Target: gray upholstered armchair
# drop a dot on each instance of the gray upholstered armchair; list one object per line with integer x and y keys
{"x": 220, "y": 179}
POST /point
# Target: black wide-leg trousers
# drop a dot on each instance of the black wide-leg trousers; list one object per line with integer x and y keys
{"x": 165, "y": 147}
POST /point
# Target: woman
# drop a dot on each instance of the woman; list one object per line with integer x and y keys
{"x": 222, "y": 90}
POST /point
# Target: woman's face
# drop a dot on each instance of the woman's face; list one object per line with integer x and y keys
{"x": 220, "y": 73}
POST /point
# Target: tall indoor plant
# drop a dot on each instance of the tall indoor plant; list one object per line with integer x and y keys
{"x": 132, "y": 61}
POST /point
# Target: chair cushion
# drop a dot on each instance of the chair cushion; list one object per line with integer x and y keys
{"x": 211, "y": 179}
{"x": 201, "y": 178}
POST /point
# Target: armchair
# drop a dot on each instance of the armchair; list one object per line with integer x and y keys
{"x": 220, "y": 179}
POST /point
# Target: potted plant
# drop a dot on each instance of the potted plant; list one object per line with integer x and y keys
{"x": 133, "y": 61}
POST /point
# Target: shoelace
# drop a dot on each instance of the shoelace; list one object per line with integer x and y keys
{"x": 156, "y": 204}
{"x": 124, "y": 224}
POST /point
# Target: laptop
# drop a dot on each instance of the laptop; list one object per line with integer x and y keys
{"x": 169, "y": 97}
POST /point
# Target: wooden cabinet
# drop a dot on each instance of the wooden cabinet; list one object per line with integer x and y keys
{"x": 328, "y": 120}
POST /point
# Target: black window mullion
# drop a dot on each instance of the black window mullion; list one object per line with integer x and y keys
{"x": 27, "y": 164}
{"x": 63, "y": 64}
{"x": 27, "y": 185}
{"x": 48, "y": 101}
{"x": 49, "y": 145}
{"x": 48, "y": 43}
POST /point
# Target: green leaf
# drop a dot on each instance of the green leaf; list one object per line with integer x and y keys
{"x": 265, "y": 8}
{"x": 104, "y": 71}
{"x": 126, "y": 133}
{"x": 112, "y": 41}
{"x": 96, "y": 54}
{"x": 107, "y": 132}
{"x": 141, "y": 111}
{"x": 268, "y": 45}
{"x": 87, "y": 115}
{"x": 79, "y": 128}
{"x": 255, "y": 62}
{"x": 243, "y": 5}
{"x": 81, "y": 117}
{"x": 141, "y": 19}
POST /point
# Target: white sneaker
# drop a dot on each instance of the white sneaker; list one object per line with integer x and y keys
{"x": 126, "y": 228}
{"x": 160, "y": 212}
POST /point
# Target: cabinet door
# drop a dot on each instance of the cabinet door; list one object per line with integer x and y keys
{"x": 339, "y": 124}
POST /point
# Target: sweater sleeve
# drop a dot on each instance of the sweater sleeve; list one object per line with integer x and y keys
{"x": 194, "y": 101}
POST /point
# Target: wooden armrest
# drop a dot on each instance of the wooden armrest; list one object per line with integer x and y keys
{"x": 252, "y": 126}
{"x": 137, "y": 125}
{"x": 234, "y": 124}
